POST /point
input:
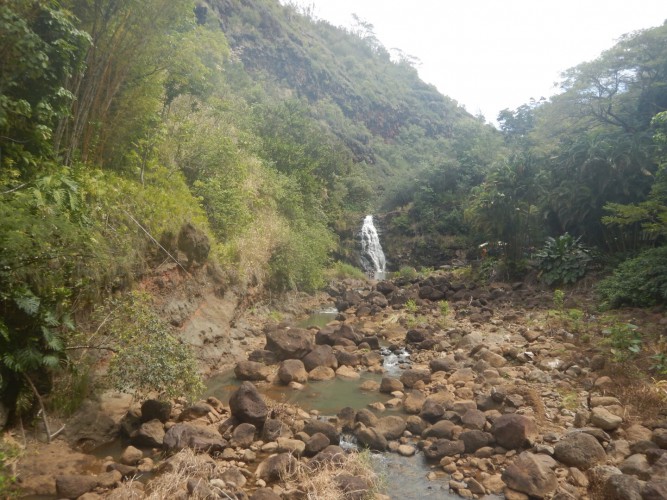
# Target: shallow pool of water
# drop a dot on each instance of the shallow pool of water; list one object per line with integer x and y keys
{"x": 405, "y": 477}
{"x": 319, "y": 319}
{"x": 328, "y": 397}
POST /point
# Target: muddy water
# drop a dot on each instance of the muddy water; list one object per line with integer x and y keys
{"x": 319, "y": 318}
{"x": 328, "y": 397}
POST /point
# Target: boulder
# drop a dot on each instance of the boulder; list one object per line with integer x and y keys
{"x": 475, "y": 439}
{"x": 233, "y": 477}
{"x": 473, "y": 419}
{"x": 332, "y": 454}
{"x": 195, "y": 411}
{"x": 659, "y": 437}
{"x": 580, "y": 450}
{"x": 346, "y": 358}
{"x": 275, "y": 467}
{"x": 193, "y": 243}
{"x": 181, "y": 436}
{"x": 370, "y": 437}
{"x": 532, "y": 475}
{"x": 410, "y": 377}
{"x": 604, "y": 419}
{"x": 315, "y": 444}
{"x": 292, "y": 370}
{"x": 622, "y": 487}
{"x": 441, "y": 430}
{"x": 446, "y": 364}
{"x": 432, "y": 410}
{"x": 149, "y": 435}
{"x": 321, "y": 355}
{"x": 74, "y": 485}
{"x": 385, "y": 287}
{"x": 153, "y": 409}
{"x": 655, "y": 490}
{"x": 313, "y": 426}
{"x": 90, "y": 427}
{"x": 289, "y": 343}
{"x": 390, "y": 384}
{"x": 265, "y": 494}
{"x": 274, "y": 428}
{"x": 352, "y": 487}
{"x": 391, "y": 427}
{"x": 263, "y": 356}
{"x": 321, "y": 373}
{"x": 416, "y": 425}
{"x": 294, "y": 446}
{"x": 513, "y": 431}
{"x": 251, "y": 370}
{"x": 247, "y": 405}
{"x": 345, "y": 372}
{"x": 131, "y": 456}
{"x": 243, "y": 435}
{"x": 413, "y": 402}
{"x": 444, "y": 448}
{"x": 366, "y": 417}
{"x": 636, "y": 465}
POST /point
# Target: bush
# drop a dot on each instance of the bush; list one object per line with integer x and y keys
{"x": 563, "y": 260}
{"x": 640, "y": 281}
{"x": 148, "y": 358}
{"x": 341, "y": 270}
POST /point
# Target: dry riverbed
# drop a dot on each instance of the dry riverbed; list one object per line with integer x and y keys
{"x": 501, "y": 394}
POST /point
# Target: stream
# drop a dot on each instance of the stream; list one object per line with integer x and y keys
{"x": 403, "y": 477}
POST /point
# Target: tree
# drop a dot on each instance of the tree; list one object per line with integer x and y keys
{"x": 41, "y": 49}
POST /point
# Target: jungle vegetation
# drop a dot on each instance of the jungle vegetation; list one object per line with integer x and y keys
{"x": 273, "y": 133}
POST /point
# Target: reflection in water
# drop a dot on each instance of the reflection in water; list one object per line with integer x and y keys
{"x": 328, "y": 397}
{"x": 405, "y": 477}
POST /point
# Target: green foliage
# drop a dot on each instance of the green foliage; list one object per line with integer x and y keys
{"x": 407, "y": 272}
{"x": 148, "y": 358}
{"x": 42, "y": 48}
{"x": 342, "y": 270}
{"x": 503, "y": 207}
{"x": 299, "y": 263}
{"x": 640, "y": 281}
{"x": 9, "y": 454}
{"x": 625, "y": 341}
{"x": 559, "y": 299}
{"x": 563, "y": 260}
{"x": 411, "y": 306}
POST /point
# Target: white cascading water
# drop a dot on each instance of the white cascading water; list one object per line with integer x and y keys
{"x": 372, "y": 256}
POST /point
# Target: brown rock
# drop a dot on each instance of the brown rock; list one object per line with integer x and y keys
{"x": 532, "y": 475}
{"x": 514, "y": 431}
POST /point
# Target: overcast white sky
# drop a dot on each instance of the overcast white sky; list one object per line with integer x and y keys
{"x": 495, "y": 54}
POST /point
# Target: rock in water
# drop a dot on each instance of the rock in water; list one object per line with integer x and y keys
{"x": 289, "y": 343}
{"x": 248, "y": 406}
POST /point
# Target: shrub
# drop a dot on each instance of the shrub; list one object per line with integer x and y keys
{"x": 640, "y": 281}
{"x": 407, "y": 272}
{"x": 563, "y": 260}
{"x": 624, "y": 339}
{"x": 148, "y": 358}
{"x": 341, "y": 270}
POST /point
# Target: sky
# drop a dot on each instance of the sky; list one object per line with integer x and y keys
{"x": 490, "y": 55}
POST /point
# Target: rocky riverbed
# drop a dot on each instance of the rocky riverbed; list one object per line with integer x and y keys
{"x": 501, "y": 397}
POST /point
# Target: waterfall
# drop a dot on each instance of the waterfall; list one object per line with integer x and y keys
{"x": 372, "y": 256}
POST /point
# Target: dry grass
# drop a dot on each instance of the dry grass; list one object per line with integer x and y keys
{"x": 317, "y": 482}
{"x": 177, "y": 470}
{"x": 646, "y": 400}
